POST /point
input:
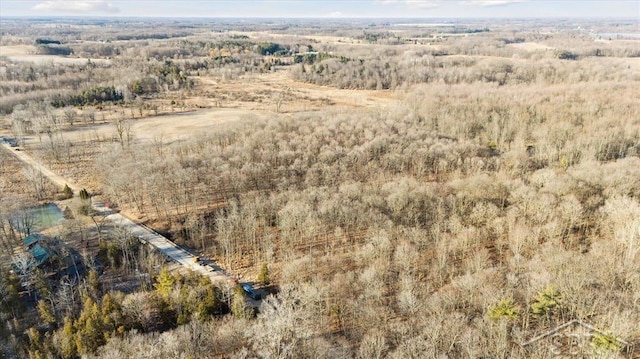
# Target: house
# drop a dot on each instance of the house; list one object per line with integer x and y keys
{"x": 30, "y": 240}
{"x": 41, "y": 247}
{"x": 40, "y": 253}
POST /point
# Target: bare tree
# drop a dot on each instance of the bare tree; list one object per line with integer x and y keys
{"x": 125, "y": 241}
{"x": 66, "y": 295}
{"x": 98, "y": 218}
{"x": 123, "y": 132}
{"x": 285, "y": 323}
{"x": 22, "y": 220}
{"x": 19, "y": 126}
{"x": 70, "y": 115}
{"x": 37, "y": 181}
{"x": 90, "y": 115}
{"x": 25, "y": 266}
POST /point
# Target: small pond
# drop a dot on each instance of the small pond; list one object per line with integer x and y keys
{"x": 35, "y": 219}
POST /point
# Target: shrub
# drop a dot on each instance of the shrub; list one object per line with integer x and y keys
{"x": 567, "y": 55}
{"x": 503, "y": 309}
{"x": 546, "y": 301}
{"x": 67, "y": 192}
{"x": 606, "y": 342}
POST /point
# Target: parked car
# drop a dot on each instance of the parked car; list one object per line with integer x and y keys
{"x": 248, "y": 288}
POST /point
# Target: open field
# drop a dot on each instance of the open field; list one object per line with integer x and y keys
{"x": 402, "y": 189}
{"x": 26, "y": 53}
{"x": 531, "y": 46}
{"x": 276, "y": 93}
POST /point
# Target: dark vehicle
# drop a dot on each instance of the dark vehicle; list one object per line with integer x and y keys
{"x": 250, "y": 291}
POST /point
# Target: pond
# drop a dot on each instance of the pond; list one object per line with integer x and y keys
{"x": 35, "y": 219}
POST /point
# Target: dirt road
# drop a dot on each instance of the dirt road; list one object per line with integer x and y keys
{"x": 56, "y": 179}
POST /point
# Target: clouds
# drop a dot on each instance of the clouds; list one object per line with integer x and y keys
{"x": 487, "y": 3}
{"x": 421, "y": 4}
{"x": 415, "y": 4}
{"x": 426, "y": 4}
{"x": 77, "y": 7}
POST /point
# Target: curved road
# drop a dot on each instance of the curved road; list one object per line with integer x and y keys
{"x": 143, "y": 233}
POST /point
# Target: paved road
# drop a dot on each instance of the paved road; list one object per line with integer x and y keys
{"x": 165, "y": 246}
{"x": 145, "y": 234}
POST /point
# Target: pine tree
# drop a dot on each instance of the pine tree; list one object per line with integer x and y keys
{"x": 46, "y": 312}
{"x": 84, "y": 195}
{"x": 210, "y": 304}
{"x": 164, "y": 283}
{"x": 94, "y": 287}
{"x": 239, "y": 303}
{"x": 35, "y": 339}
{"x": 40, "y": 283}
{"x": 68, "y": 344}
{"x": 263, "y": 276}
{"x": 111, "y": 313}
{"x": 68, "y": 193}
{"x": 11, "y": 302}
{"x": 547, "y": 303}
{"x": 89, "y": 335}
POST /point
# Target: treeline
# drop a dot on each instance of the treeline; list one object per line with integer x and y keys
{"x": 47, "y": 42}
{"x": 156, "y": 36}
{"x": 92, "y": 96}
{"x": 24, "y": 82}
{"x": 54, "y": 50}
{"x": 381, "y": 73}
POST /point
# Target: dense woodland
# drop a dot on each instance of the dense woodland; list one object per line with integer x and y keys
{"x": 495, "y": 198}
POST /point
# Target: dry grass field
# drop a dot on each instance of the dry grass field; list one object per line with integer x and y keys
{"x": 29, "y": 54}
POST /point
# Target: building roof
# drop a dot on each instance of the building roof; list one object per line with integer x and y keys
{"x": 32, "y": 239}
{"x": 40, "y": 253}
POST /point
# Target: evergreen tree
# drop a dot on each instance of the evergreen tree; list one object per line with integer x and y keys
{"x": 10, "y": 302}
{"x": 41, "y": 285}
{"x": 239, "y": 303}
{"x": 35, "y": 343}
{"x": 89, "y": 335}
{"x": 68, "y": 193}
{"x": 46, "y": 312}
{"x": 164, "y": 283}
{"x": 84, "y": 195}
{"x": 111, "y": 314}
{"x": 94, "y": 287}
{"x": 68, "y": 347}
{"x": 263, "y": 276}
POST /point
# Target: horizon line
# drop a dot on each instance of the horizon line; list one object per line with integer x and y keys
{"x": 311, "y": 17}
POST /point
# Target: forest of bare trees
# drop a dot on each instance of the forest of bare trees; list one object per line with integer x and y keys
{"x": 399, "y": 193}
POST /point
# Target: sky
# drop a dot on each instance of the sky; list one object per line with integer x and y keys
{"x": 326, "y": 8}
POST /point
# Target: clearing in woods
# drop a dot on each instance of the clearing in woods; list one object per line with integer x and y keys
{"x": 243, "y": 100}
{"x": 28, "y": 53}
